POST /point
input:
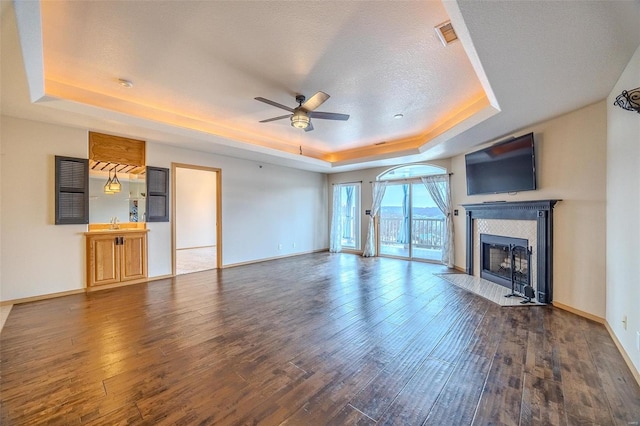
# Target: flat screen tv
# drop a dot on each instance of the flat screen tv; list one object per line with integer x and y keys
{"x": 508, "y": 166}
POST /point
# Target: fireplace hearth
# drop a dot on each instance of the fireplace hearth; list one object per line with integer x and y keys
{"x": 536, "y": 255}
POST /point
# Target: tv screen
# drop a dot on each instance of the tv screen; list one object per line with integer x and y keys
{"x": 507, "y": 166}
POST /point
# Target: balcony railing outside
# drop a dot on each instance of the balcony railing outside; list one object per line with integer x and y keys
{"x": 427, "y": 233}
{"x": 349, "y": 231}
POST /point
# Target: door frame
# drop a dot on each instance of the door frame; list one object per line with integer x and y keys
{"x": 174, "y": 167}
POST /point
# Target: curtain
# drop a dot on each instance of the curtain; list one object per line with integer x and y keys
{"x": 335, "y": 238}
{"x": 439, "y": 188}
{"x": 378, "y": 189}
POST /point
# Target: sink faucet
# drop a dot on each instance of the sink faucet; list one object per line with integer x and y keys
{"x": 114, "y": 223}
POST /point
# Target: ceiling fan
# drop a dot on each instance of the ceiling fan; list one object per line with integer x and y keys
{"x": 302, "y": 114}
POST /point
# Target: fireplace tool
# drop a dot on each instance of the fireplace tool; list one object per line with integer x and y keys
{"x": 520, "y": 268}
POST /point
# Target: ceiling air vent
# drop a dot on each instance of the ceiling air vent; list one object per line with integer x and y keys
{"x": 446, "y": 33}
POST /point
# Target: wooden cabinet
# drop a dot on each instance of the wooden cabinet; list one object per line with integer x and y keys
{"x": 114, "y": 257}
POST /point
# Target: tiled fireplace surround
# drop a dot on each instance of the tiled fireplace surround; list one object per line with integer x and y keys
{"x": 530, "y": 220}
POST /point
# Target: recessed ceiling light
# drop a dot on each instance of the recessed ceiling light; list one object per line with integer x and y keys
{"x": 125, "y": 83}
{"x": 398, "y": 116}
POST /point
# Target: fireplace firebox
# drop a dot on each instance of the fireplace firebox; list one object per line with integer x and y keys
{"x": 505, "y": 261}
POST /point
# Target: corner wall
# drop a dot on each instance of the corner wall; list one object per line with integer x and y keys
{"x": 571, "y": 166}
{"x": 623, "y": 217}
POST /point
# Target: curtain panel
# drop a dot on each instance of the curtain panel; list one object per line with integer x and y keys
{"x": 440, "y": 189}
{"x": 378, "y": 189}
{"x": 335, "y": 237}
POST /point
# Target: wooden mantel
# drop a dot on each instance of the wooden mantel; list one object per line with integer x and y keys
{"x": 539, "y": 210}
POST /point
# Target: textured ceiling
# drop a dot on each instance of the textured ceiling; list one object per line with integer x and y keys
{"x": 196, "y": 67}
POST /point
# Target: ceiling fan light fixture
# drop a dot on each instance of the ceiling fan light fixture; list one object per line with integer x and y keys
{"x": 300, "y": 120}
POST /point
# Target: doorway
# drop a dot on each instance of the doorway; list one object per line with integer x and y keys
{"x": 196, "y": 227}
{"x": 411, "y": 226}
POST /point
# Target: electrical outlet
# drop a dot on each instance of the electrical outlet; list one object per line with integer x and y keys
{"x": 294, "y": 245}
{"x": 638, "y": 340}
{"x": 280, "y": 248}
{"x": 624, "y": 322}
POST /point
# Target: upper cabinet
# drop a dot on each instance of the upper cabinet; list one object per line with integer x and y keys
{"x": 117, "y": 184}
{"x": 116, "y": 150}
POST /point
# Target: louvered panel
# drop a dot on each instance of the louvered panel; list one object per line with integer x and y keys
{"x": 157, "y": 194}
{"x": 157, "y": 181}
{"x": 72, "y": 190}
{"x": 157, "y": 204}
{"x": 71, "y": 205}
{"x": 72, "y": 175}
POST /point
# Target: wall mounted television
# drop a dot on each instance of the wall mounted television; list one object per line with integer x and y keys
{"x": 508, "y": 166}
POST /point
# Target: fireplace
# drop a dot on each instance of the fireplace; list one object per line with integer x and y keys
{"x": 536, "y": 246}
{"x": 505, "y": 261}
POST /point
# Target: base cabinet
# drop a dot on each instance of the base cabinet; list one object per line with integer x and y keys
{"x": 116, "y": 257}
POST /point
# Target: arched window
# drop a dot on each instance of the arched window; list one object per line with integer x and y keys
{"x": 412, "y": 171}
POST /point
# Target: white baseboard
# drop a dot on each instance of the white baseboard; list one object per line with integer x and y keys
{"x": 625, "y": 356}
{"x": 266, "y": 259}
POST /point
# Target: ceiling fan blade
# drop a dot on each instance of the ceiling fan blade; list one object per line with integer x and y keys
{"x": 275, "y": 104}
{"x": 309, "y": 127}
{"x": 329, "y": 115}
{"x": 275, "y": 118}
{"x": 315, "y": 101}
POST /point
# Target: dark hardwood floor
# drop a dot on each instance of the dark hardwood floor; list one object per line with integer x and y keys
{"x": 310, "y": 340}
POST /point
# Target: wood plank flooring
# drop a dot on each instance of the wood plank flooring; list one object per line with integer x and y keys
{"x": 317, "y": 339}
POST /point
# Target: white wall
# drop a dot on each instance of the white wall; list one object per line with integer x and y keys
{"x": 571, "y": 166}
{"x": 261, "y": 208}
{"x": 38, "y": 257}
{"x": 195, "y": 208}
{"x": 623, "y": 207}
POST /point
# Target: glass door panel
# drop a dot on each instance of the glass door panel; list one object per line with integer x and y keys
{"x": 350, "y": 216}
{"x": 394, "y": 228}
{"x": 427, "y": 225}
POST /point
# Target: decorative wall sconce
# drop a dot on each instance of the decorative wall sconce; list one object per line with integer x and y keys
{"x": 629, "y": 100}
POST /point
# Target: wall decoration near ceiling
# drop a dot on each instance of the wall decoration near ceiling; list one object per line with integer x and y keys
{"x": 629, "y": 100}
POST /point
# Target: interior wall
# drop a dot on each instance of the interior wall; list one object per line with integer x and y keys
{"x": 195, "y": 208}
{"x": 366, "y": 176}
{"x": 571, "y": 166}
{"x": 265, "y": 211}
{"x": 38, "y": 257}
{"x": 623, "y": 205}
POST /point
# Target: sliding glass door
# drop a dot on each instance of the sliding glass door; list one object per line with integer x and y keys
{"x": 410, "y": 225}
